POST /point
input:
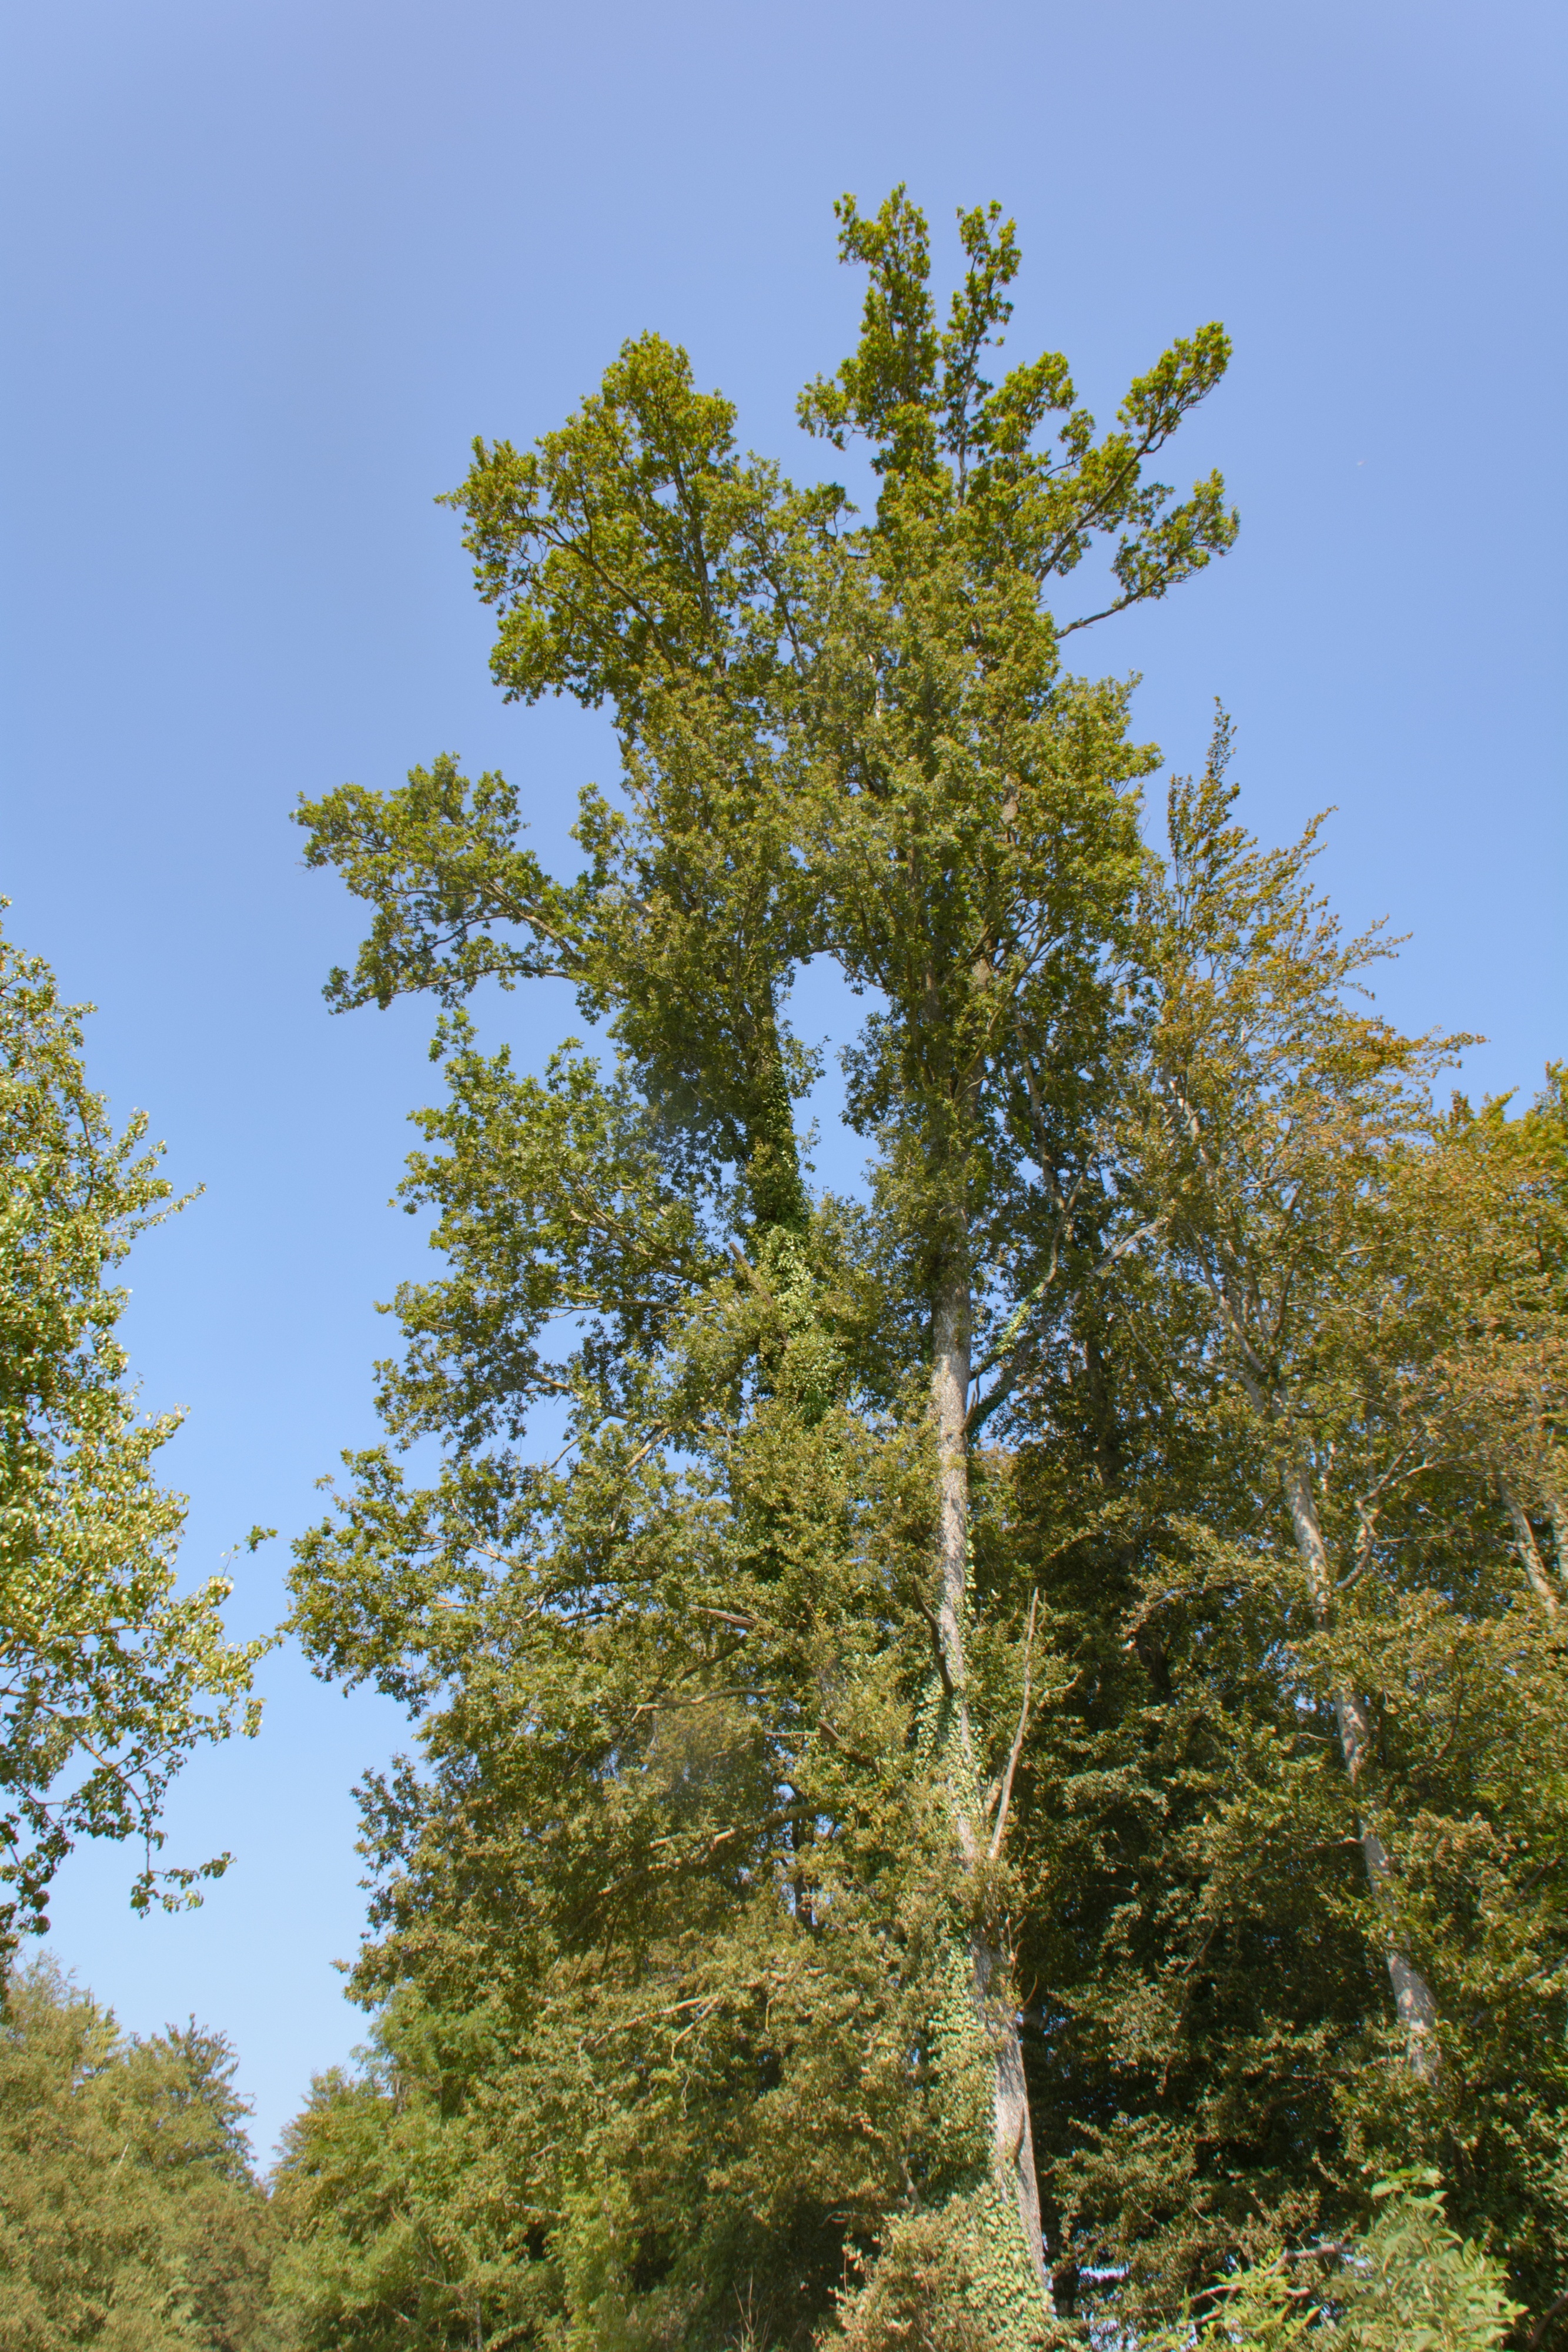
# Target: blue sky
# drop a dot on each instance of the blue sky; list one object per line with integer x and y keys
{"x": 269, "y": 265}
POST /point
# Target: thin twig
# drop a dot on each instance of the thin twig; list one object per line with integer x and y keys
{"x": 1537, "y": 2336}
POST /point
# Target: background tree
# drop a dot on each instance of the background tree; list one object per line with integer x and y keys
{"x": 109, "y": 1677}
{"x": 128, "y": 2213}
{"x": 1339, "y": 1289}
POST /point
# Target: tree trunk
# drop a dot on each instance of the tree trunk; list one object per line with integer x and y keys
{"x": 1004, "y": 2244}
{"x": 1558, "y": 1512}
{"x": 1529, "y": 1550}
{"x": 1413, "y": 2003}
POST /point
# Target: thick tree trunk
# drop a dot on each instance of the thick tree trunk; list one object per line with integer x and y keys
{"x": 1413, "y": 2003}
{"x": 1012, "y": 2275}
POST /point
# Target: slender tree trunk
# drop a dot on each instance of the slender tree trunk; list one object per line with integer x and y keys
{"x": 1529, "y": 1550}
{"x": 1558, "y": 1512}
{"x": 1012, "y": 2276}
{"x": 1413, "y": 2001}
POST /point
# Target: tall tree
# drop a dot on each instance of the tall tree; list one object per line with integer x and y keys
{"x": 977, "y": 853}
{"x": 1338, "y": 1288}
{"x": 128, "y": 2212}
{"x": 108, "y": 1677}
{"x": 1277, "y": 1105}
{"x": 840, "y": 736}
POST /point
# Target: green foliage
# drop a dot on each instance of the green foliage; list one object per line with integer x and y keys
{"x": 917, "y": 2296}
{"x": 109, "y": 1678}
{"x": 1346, "y": 1279}
{"x": 1409, "y": 2285}
{"x": 399, "y": 2216}
{"x": 672, "y": 1840}
{"x": 128, "y": 2215}
{"x": 1413, "y": 2286}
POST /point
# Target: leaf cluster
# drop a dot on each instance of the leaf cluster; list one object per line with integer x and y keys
{"x": 109, "y": 1676}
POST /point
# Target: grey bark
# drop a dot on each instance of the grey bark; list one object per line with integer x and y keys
{"x": 1012, "y": 2144}
{"x": 1413, "y": 2004}
{"x": 1529, "y": 1550}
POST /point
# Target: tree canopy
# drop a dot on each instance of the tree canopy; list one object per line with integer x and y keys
{"x": 1003, "y": 1767}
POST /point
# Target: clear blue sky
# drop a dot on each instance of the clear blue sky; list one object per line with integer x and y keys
{"x": 269, "y": 264}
